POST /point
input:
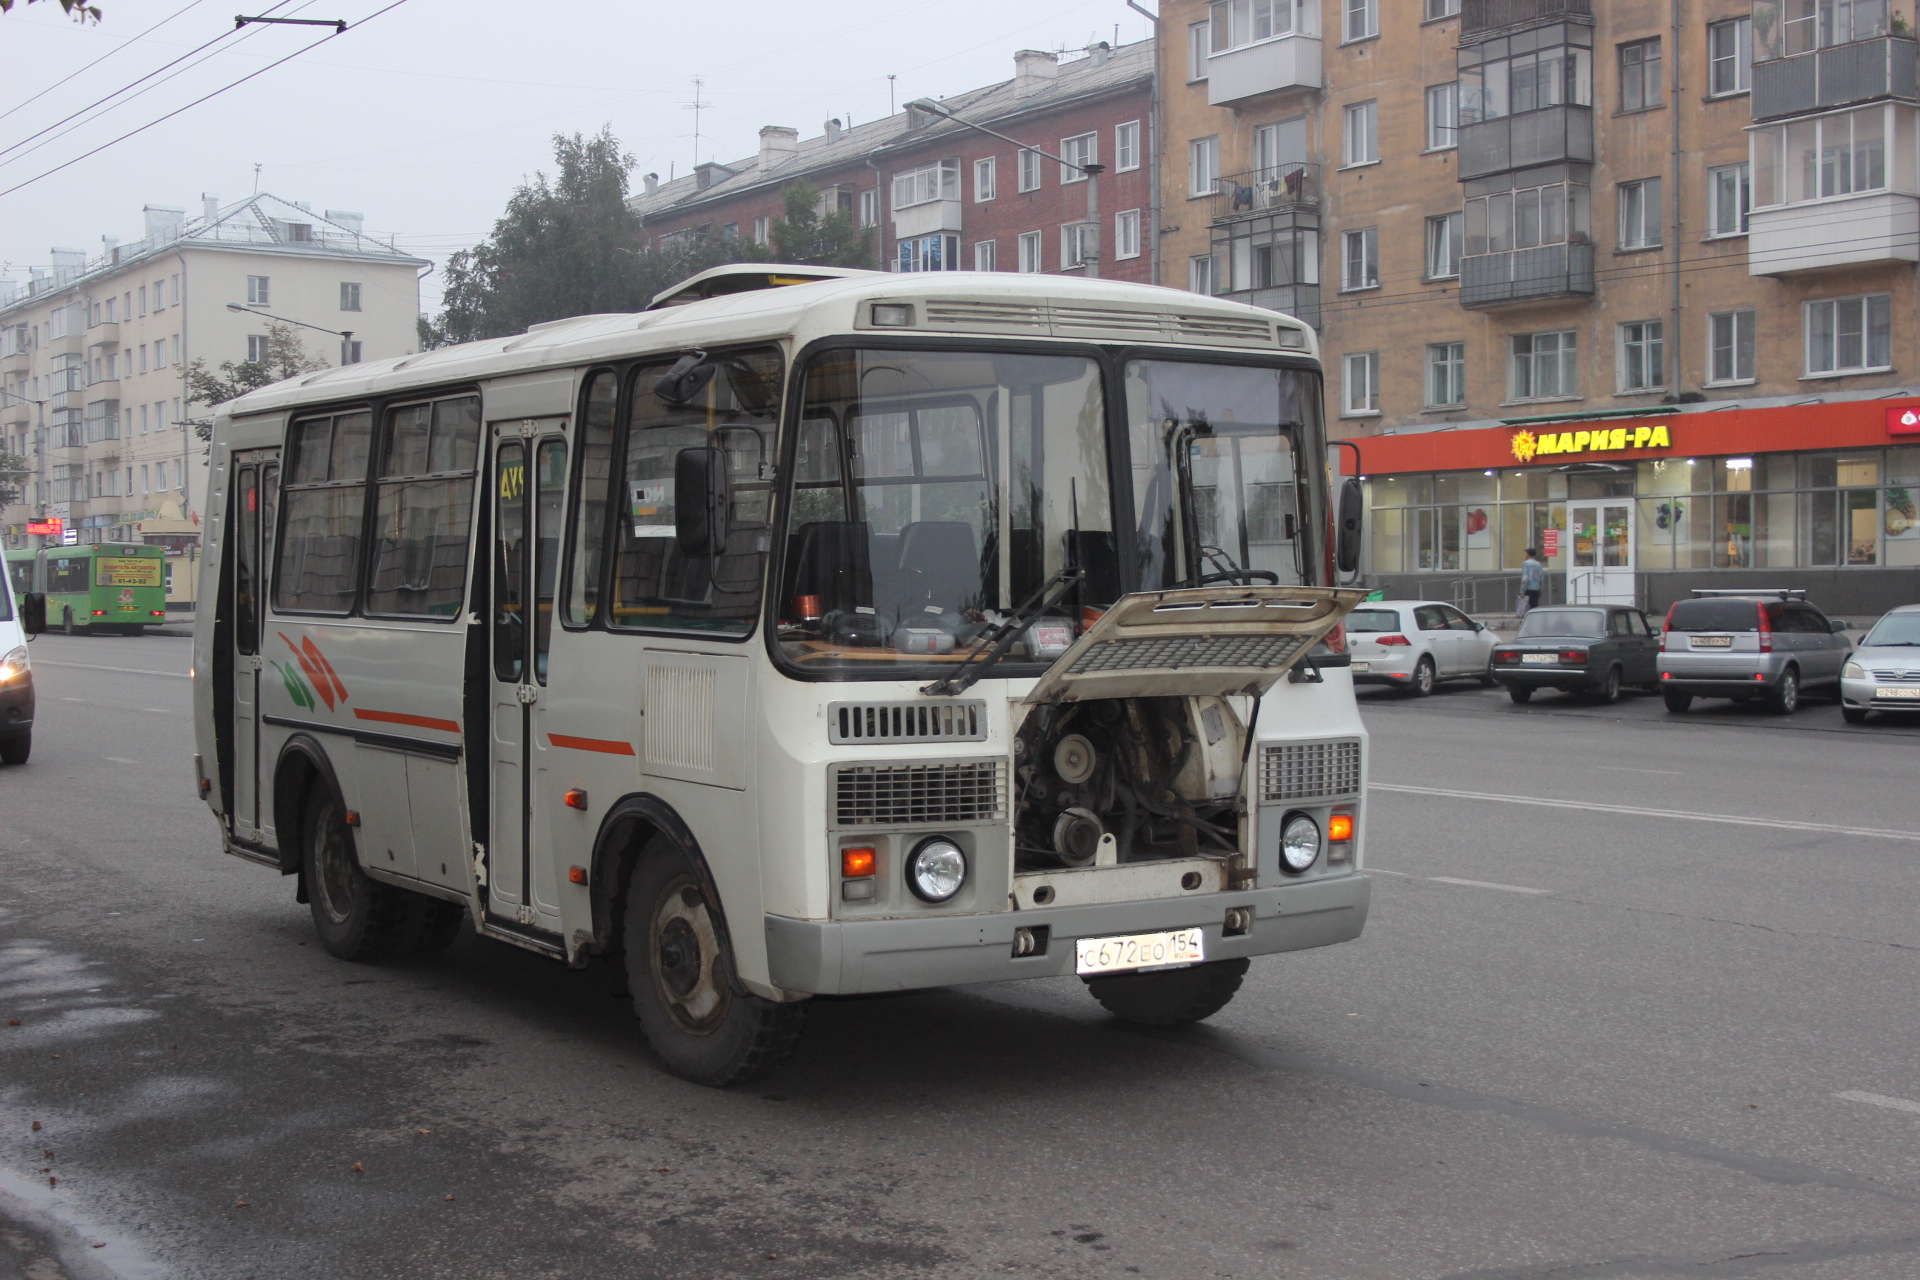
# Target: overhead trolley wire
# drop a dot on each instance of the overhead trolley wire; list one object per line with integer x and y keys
{"x": 102, "y": 58}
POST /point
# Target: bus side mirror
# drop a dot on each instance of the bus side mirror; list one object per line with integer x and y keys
{"x": 702, "y": 501}
{"x": 33, "y": 612}
{"x": 1347, "y": 532}
{"x": 688, "y": 378}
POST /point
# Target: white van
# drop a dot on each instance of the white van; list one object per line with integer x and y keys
{"x": 16, "y": 677}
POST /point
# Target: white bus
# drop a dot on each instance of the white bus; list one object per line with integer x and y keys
{"x": 812, "y": 632}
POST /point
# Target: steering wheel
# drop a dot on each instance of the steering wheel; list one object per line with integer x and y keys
{"x": 1234, "y": 575}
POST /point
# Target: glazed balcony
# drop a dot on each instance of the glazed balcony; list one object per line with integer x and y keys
{"x": 1267, "y": 66}
{"x": 1551, "y": 135}
{"x": 1544, "y": 273}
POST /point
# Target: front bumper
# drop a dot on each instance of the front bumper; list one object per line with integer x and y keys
{"x": 1859, "y": 693}
{"x": 16, "y": 708}
{"x": 848, "y": 957}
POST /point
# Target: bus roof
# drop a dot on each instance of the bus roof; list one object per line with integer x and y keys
{"x": 949, "y": 303}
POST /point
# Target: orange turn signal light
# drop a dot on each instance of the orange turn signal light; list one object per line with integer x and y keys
{"x": 577, "y": 875}
{"x": 576, "y": 799}
{"x": 856, "y": 862}
{"x": 353, "y": 817}
{"x": 1340, "y": 827}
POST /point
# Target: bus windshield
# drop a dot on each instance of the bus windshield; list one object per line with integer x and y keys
{"x": 932, "y": 492}
{"x": 1216, "y": 471}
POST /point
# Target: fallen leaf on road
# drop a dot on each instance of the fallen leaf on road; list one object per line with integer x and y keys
{"x": 446, "y": 1197}
{"x": 663, "y": 1171}
{"x": 99, "y": 1244}
{"x": 423, "y": 1131}
{"x": 53, "y": 1182}
{"x": 36, "y": 1126}
{"x": 358, "y": 1167}
{"x": 13, "y": 1022}
{"x": 241, "y": 1204}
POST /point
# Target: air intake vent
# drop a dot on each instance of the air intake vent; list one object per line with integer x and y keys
{"x": 1310, "y": 770}
{"x": 861, "y": 722}
{"x": 919, "y": 795}
{"x": 1099, "y": 322}
{"x": 1177, "y": 653}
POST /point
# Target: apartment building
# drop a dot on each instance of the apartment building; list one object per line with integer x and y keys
{"x": 939, "y": 196}
{"x": 1631, "y": 282}
{"x": 94, "y": 351}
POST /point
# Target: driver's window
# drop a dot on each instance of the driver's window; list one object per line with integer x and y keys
{"x": 1430, "y": 618}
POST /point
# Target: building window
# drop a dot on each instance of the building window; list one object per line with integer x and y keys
{"x": 143, "y": 299}
{"x": 1200, "y": 275}
{"x": 1126, "y": 146}
{"x": 1729, "y": 196}
{"x": 930, "y": 253}
{"x": 1804, "y": 26}
{"x": 1360, "y": 259}
{"x": 1030, "y": 251}
{"x": 1640, "y": 75}
{"x": 1511, "y": 220}
{"x": 870, "y": 207}
{"x": 1642, "y": 358}
{"x": 1640, "y": 214}
{"x": 1545, "y": 365}
{"x": 349, "y": 296}
{"x": 983, "y": 256}
{"x": 1362, "y": 19}
{"x": 1242, "y": 22}
{"x": 1832, "y": 155}
{"x": 926, "y": 183}
{"x": 1078, "y": 151}
{"x": 1029, "y": 162}
{"x": 1360, "y": 142}
{"x": 257, "y": 295}
{"x": 1126, "y": 234}
{"x": 1730, "y": 346}
{"x": 1443, "y": 116}
{"x": 1729, "y": 56}
{"x": 1849, "y": 335}
{"x": 1360, "y": 392}
{"x": 1437, "y": 9}
{"x": 1446, "y": 374}
{"x": 1198, "y": 38}
{"x": 256, "y": 348}
{"x": 984, "y": 176}
{"x": 762, "y": 229}
{"x": 1443, "y": 245}
{"x": 730, "y": 234}
{"x": 1203, "y": 166}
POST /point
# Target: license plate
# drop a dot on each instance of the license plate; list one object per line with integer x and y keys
{"x": 1139, "y": 951}
{"x": 1540, "y": 659}
{"x": 1711, "y": 642}
{"x": 1358, "y": 666}
{"x": 1897, "y": 693}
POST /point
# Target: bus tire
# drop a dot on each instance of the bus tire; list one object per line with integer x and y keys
{"x": 1173, "y": 997}
{"x": 436, "y": 925}
{"x": 67, "y": 624}
{"x": 15, "y": 750}
{"x": 356, "y": 918}
{"x": 681, "y": 975}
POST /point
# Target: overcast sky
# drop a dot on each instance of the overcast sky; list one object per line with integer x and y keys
{"x": 426, "y": 118}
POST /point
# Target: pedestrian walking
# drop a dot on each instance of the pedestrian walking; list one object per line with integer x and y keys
{"x": 1533, "y": 578}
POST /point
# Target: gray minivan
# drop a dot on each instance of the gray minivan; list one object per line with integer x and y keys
{"x": 1767, "y": 645}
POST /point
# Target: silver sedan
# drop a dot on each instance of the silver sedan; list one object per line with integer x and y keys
{"x": 1883, "y": 674}
{"x": 1414, "y": 644}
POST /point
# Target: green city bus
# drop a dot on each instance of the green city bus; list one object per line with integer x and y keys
{"x": 102, "y": 589}
{"x": 20, "y": 572}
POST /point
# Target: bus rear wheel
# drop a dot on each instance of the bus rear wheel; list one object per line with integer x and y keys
{"x": 70, "y": 627}
{"x": 1173, "y": 997}
{"x": 356, "y": 918}
{"x": 681, "y": 973}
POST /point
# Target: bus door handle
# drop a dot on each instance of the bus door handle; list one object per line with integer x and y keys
{"x": 255, "y": 662}
{"x": 529, "y": 694}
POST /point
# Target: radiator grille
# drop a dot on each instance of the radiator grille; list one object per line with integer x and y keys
{"x": 1094, "y": 322}
{"x": 1179, "y": 652}
{"x": 1309, "y": 770}
{"x": 907, "y": 722}
{"x": 912, "y": 795}
{"x": 1896, "y": 676}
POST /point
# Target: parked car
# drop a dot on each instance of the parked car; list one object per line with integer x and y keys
{"x": 1768, "y": 645}
{"x": 16, "y": 679}
{"x": 1883, "y": 674}
{"x": 1414, "y": 644}
{"x": 1579, "y": 648}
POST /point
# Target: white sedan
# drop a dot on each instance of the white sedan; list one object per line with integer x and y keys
{"x": 1414, "y": 644}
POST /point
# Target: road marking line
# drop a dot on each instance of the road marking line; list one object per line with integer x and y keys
{"x": 1641, "y": 812}
{"x": 1382, "y": 871}
{"x": 1879, "y": 1100}
{"x": 132, "y": 671}
{"x": 119, "y": 760}
{"x": 1621, "y": 768}
{"x": 1487, "y": 884}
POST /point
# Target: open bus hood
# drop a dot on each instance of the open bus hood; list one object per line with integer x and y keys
{"x": 1197, "y": 641}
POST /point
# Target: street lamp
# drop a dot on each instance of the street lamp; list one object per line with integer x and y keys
{"x": 345, "y": 335}
{"x": 1093, "y": 172}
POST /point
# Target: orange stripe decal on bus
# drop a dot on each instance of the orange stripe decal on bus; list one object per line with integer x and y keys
{"x": 591, "y": 744}
{"x": 401, "y": 717}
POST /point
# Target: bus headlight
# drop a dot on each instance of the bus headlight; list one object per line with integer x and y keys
{"x": 936, "y": 869}
{"x": 1299, "y": 843}
{"x": 14, "y": 665}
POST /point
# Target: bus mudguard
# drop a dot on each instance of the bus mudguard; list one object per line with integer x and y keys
{"x": 301, "y": 760}
{"x": 616, "y": 850}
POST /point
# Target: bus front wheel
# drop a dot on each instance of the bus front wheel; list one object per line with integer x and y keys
{"x": 1172, "y": 997}
{"x": 680, "y": 971}
{"x": 356, "y": 918}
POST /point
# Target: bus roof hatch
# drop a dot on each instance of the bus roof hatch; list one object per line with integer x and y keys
{"x": 746, "y": 277}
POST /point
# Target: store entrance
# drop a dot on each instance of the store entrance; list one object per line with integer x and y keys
{"x": 1600, "y": 570}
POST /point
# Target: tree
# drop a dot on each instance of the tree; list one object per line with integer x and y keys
{"x": 804, "y": 236}
{"x": 14, "y": 471}
{"x": 286, "y": 357}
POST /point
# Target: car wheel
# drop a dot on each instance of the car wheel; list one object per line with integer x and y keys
{"x": 1609, "y": 691}
{"x": 1171, "y": 998}
{"x": 1488, "y": 680}
{"x": 1520, "y": 693}
{"x": 680, "y": 970}
{"x": 1423, "y": 678}
{"x": 356, "y": 918}
{"x": 16, "y": 750}
{"x": 1785, "y": 696}
{"x": 1854, "y": 715}
{"x": 1677, "y": 701}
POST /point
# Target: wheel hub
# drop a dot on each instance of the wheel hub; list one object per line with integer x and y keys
{"x": 691, "y": 980}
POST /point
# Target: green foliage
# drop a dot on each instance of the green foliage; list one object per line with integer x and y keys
{"x": 286, "y": 358}
{"x": 14, "y": 471}
{"x": 803, "y": 236}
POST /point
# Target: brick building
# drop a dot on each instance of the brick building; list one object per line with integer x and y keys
{"x": 940, "y": 196}
{"x": 1528, "y": 228}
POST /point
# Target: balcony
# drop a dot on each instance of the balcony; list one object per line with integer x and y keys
{"x": 18, "y": 362}
{"x": 1281, "y": 189}
{"x": 928, "y": 218}
{"x": 1545, "y": 273}
{"x": 1269, "y": 66}
{"x": 1547, "y": 136}
{"x": 1496, "y": 15}
{"x": 104, "y": 336}
{"x": 1884, "y": 67}
{"x": 1882, "y": 227}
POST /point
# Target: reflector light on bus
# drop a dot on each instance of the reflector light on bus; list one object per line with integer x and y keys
{"x": 1340, "y": 827}
{"x": 856, "y": 862}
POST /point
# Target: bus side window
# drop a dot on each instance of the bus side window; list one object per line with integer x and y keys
{"x": 509, "y": 561}
{"x": 316, "y": 563}
{"x": 424, "y": 509}
{"x": 549, "y": 515}
{"x": 590, "y": 503}
{"x": 246, "y": 569}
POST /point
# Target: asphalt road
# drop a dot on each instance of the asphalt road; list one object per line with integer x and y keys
{"x": 1590, "y": 1032}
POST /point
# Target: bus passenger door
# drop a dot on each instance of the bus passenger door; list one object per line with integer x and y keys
{"x": 255, "y": 478}
{"x": 528, "y": 480}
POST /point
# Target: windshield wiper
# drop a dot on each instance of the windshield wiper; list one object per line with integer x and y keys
{"x": 1043, "y": 598}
